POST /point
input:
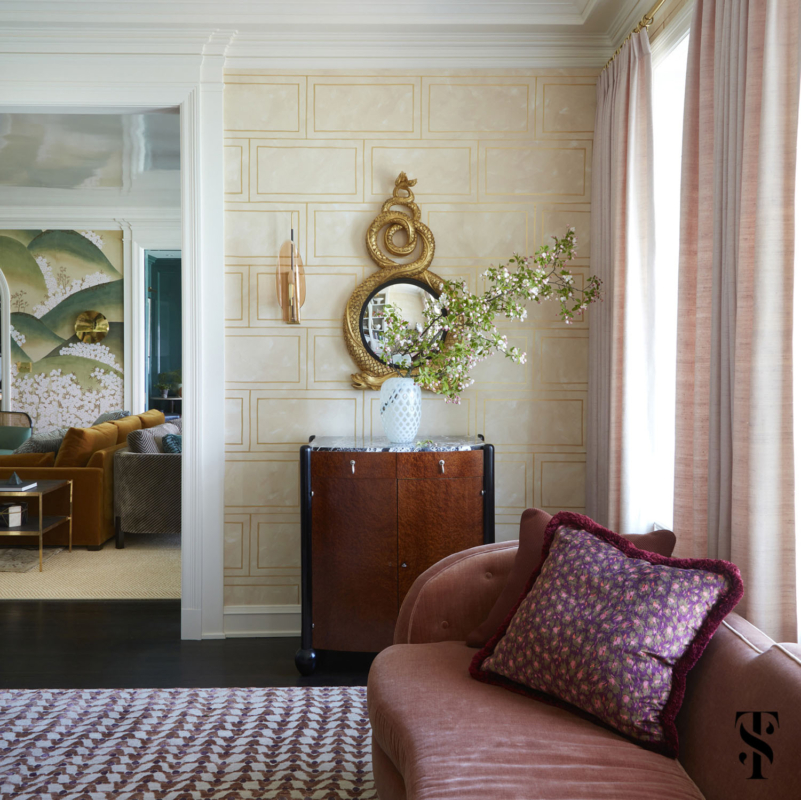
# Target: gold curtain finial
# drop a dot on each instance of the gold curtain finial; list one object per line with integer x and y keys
{"x": 645, "y": 22}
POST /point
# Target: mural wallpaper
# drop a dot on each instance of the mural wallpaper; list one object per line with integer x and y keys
{"x": 53, "y": 276}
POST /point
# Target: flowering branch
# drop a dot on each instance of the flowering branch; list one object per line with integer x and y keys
{"x": 459, "y": 329}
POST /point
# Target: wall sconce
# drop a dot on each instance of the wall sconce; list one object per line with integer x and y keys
{"x": 290, "y": 281}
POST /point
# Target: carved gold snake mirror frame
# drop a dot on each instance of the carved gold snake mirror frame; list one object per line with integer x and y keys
{"x": 404, "y": 284}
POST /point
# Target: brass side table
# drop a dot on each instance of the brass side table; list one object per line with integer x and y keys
{"x": 41, "y": 525}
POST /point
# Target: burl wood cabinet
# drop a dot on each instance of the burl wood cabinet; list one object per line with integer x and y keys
{"x": 371, "y": 522}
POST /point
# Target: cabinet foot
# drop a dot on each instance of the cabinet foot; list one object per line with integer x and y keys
{"x": 305, "y": 661}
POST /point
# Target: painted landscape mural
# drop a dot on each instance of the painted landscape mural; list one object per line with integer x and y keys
{"x": 53, "y": 276}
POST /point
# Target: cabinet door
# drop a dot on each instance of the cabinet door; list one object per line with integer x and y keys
{"x": 436, "y": 517}
{"x": 354, "y": 552}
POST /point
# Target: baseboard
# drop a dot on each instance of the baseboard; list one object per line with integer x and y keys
{"x": 191, "y": 623}
{"x": 243, "y": 621}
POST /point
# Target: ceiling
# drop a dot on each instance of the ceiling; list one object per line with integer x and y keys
{"x": 67, "y": 161}
{"x": 592, "y": 15}
{"x": 86, "y": 151}
{"x": 577, "y": 31}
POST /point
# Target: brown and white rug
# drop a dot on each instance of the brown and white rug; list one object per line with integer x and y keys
{"x": 186, "y": 744}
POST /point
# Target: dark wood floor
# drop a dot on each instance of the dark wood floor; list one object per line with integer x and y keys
{"x": 120, "y": 644}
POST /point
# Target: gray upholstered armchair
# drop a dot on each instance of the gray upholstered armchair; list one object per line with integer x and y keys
{"x": 147, "y": 493}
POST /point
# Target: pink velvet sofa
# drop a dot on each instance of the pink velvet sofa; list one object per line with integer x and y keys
{"x": 440, "y": 735}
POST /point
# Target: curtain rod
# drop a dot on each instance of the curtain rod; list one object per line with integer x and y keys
{"x": 645, "y": 22}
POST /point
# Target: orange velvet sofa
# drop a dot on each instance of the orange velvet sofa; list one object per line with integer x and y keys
{"x": 86, "y": 457}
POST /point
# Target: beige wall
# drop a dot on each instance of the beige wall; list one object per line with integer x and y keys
{"x": 502, "y": 161}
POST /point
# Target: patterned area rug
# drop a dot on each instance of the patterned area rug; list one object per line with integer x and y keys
{"x": 186, "y": 744}
{"x": 24, "y": 559}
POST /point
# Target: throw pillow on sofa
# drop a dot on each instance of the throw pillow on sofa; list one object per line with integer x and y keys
{"x": 110, "y": 416}
{"x": 152, "y": 418}
{"x": 149, "y": 440}
{"x": 80, "y": 444}
{"x": 172, "y": 443}
{"x": 45, "y": 442}
{"x": 126, "y": 425}
{"x": 610, "y": 630}
{"x": 527, "y": 559}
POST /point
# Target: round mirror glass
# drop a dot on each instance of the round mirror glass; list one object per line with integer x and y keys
{"x": 407, "y": 295}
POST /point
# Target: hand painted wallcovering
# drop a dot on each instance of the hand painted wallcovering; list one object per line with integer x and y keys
{"x": 53, "y": 276}
{"x": 502, "y": 161}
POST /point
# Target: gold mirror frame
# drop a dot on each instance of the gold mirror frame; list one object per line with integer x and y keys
{"x": 372, "y": 371}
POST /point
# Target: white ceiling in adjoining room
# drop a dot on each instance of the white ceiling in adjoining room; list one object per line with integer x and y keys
{"x": 48, "y": 157}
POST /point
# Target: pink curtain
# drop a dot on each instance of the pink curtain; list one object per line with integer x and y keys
{"x": 734, "y": 479}
{"x": 622, "y": 347}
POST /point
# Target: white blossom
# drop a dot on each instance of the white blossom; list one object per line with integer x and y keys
{"x": 54, "y": 400}
{"x": 98, "y": 352}
{"x": 56, "y": 295}
{"x": 95, "y": 238}
{"x": 18, "y": 337}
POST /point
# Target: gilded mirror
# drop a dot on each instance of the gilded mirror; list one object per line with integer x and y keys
{"x": 407, "y": 294}
{"x": 403, "y": 253}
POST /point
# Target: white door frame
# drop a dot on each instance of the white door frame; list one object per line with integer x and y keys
{"x": 5, "y": 342}
{"x": 151, "y": 235}
{"x": 194, "y": 83}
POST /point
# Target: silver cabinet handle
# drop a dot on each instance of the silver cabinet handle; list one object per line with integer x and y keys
{"x": 404, "y": 565}
{"x": 353, "y": 467}
{"x": 442, "y": 467}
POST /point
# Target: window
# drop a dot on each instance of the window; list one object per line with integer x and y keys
{"x": 797, "y": 378}
{"x": 668, "y": 103}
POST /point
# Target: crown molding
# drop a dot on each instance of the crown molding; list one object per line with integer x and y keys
{"x": 437, "y": 50}
{"x": 291, "y": 48}
{"x": 349, "y": 13}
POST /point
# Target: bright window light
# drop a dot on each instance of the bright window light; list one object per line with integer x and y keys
{"x": 668, "y": 102}
{"x": 797, "y": 380}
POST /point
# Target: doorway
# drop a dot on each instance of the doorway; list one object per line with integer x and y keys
{"x": 133, "y": 82}
{"x": 89, "y": 180}
{"x": 163, "y": 321}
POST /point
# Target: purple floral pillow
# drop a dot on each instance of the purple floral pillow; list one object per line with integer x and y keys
{"x": 609, "y": 630}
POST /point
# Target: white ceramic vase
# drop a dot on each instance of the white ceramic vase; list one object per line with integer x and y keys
{"x": 401, "y": 408}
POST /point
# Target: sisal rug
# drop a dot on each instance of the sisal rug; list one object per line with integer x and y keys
{"x": 183, "y": 744}
{"x": 24, "y": 559}
{"x": 149, "y": 568}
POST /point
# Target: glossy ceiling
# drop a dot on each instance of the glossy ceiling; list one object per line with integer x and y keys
{"x": 87, "y": 151}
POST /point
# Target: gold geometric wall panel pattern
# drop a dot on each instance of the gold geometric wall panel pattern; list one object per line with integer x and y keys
{"x": 502, "y": 160}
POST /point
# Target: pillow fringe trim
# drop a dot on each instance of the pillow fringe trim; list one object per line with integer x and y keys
{"x": 725, "y": 604}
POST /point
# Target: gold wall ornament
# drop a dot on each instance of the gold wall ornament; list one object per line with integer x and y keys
{"x": 91, "y": 327}
{"x": 290, "y": 281}
{"x": 403, "y": 221}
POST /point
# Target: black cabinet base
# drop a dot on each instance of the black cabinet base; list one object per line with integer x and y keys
{"x": 305, "y": 661}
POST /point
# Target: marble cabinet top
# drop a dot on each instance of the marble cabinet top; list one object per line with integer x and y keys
{"x": 439, "y": 444}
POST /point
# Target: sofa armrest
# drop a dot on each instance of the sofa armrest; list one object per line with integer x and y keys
{"x": 742, "y": 670}
{"x": 104, "y": 461}
{"x": 147, "y": 491}
{"x": 455, "y": 595}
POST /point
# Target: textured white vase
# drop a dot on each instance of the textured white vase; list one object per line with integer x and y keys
{"x": 401, "y": 407}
